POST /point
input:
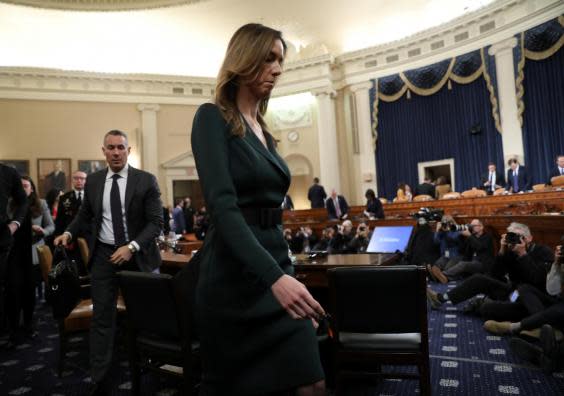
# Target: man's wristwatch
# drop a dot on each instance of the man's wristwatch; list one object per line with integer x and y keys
{"x": 131, "y": 247}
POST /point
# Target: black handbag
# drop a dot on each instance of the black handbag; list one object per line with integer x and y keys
{"x": 63, "y": 285}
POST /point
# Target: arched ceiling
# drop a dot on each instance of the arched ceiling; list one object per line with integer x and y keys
{"x": 190, "y": 38}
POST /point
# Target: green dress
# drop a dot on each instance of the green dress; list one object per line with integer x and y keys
{"x": 249, "y": 343}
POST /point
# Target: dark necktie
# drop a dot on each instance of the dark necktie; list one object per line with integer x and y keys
{"x": 79, "y": 199}
{"x": 117, "y": 217}
{"x": 515, "y": 182}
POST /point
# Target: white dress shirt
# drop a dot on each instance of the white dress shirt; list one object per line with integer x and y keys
{"x": 107, "y": 230}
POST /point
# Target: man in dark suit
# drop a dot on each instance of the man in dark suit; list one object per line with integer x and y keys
{"x": 69, "y": 205}
{"x": 189, "y": 213}
{"x": 316, "y": 194}
{"x": 123, "y": 206}
{"x": 57, "y": 179}
{"x": 287, "y": 203}
{"x": 425, "y": 188}
{"x": 69, "y": 202}
{"x": 337, "y": 206}
{"x": 558, "y": 170}
{"x": 518, "y": 179}
{"x": 492, "y": 179}
{"x": 10, "y": 188}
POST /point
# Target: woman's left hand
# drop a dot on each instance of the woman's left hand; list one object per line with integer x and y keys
{"x": 37, "y": 230}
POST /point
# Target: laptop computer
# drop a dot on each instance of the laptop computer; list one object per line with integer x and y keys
{"x": 389, "y": 239}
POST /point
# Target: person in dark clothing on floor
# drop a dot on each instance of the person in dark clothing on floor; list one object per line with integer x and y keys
{"x": 538, "y": 308}
{"x": 519, "y": 261}
{"x": 477, "y": 255}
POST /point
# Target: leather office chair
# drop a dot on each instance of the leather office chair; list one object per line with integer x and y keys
{"x": 557, "y": 181}
{"x": 79, "y": 318}
{"x": 473, "y": 193}
{"x": 451, "y": 195}
{"x": 539, "y": 187}
{"x": 422, "y": 198}
{"x": 379, "y": 316}
{"x": 158, "y": 334}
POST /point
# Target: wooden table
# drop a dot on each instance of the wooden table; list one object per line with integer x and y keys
{"x": 173, "y": 262}
{"x": 313, "y": 273}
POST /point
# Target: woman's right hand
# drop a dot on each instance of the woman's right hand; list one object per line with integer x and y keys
{"x": 296, "y": 299}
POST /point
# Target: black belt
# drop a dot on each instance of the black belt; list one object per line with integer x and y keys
{"x": 263, "y": 217}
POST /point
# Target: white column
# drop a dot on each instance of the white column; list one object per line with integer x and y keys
{"x": 149, "y": 153}
{"x": 366, "y": 157}
{"x": 512, "y": 135}
{"x": 327, "y": 137}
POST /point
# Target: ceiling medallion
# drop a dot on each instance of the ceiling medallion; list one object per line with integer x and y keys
{"x": 100, "y": 5}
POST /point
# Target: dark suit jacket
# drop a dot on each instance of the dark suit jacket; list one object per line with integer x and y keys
{"x": 287, "y": 204}
{"x": 499, "y": 179}
{"x": 522, "y": 178}
{"x": 425, "y": 189}
{"x": 375, "y": 208}
{"x": 553, "y": 173}
{"x": 66, "y": 211}
{"x": 143, "y": 212}
{"x": 331, "y": 206}
{"x": 10, "y": 187}
{"x": 316, "y": 195}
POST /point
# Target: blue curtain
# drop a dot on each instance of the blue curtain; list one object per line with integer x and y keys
{"x": 429, "y": 128}
{"x": 543, "y": 119}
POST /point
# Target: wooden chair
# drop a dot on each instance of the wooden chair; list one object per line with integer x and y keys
{"x": 383, "y": 200}
{"x": 78, "y": 320}
{"x": 396, "y": 199}
{"x": 422, "y": 198}
{"x": 473, "y": 193}
{"x": 499, "y": 191}
{"x": 557, "y": 181}
{"x": 451, "y": 195}
{"x": 159, "y": 336}
{"x": 379, "y": 317}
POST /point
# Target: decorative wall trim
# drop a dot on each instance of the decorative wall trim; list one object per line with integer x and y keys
{"x": 100, "y": 5}
{"x": 495, "y": 22}
{"x": 51, "y": 84}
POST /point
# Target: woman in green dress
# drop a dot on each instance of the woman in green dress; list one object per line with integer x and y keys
{"x": 256, "y": 322}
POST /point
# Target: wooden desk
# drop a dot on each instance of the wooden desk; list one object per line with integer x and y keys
{"x": 313, "y": 273}
{"x": 173, "y": 262}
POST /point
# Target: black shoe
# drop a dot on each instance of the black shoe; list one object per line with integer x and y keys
{"x": 473, "y": 306}
{"x": 525, "y": 350}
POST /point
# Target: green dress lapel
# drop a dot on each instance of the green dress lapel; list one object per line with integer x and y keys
{"x": 269, "y": 153}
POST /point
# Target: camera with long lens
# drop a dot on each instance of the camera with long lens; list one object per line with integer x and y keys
{"x": 461, "y": 227}
{"x": 426, "y": 215}
{"x": 512, "y": 238}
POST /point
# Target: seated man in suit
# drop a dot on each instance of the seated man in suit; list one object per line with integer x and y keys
{"x": 558, "y": 170}
{"x": 425, "y": 188}
{"x": 518, "y": 179}
{"x": 337, "y": 207}
{"x": 492, "y": 179}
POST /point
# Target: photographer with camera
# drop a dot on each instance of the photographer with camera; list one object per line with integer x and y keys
{"x": 447, "y": 238}
{"x": 326, "y": 236}
{"x": 539, "y": 307}
{"x": 303, "y": 240}
{"x": 342, "y": 238}
{"x": 361, "y": 239}
{"x": 519, "y": 261}
{"x": 477, "y": 253}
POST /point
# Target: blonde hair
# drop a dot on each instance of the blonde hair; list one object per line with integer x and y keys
{"x": 246, "y": 54}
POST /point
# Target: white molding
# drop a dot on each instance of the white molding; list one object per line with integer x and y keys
{"x": 52, "y": 84}
{"x": 510, "y": 17}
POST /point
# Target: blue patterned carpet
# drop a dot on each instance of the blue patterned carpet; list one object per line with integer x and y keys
{"x": 465, "y": 360}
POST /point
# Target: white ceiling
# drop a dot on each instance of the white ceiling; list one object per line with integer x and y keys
{"x": 191, "y": 39}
